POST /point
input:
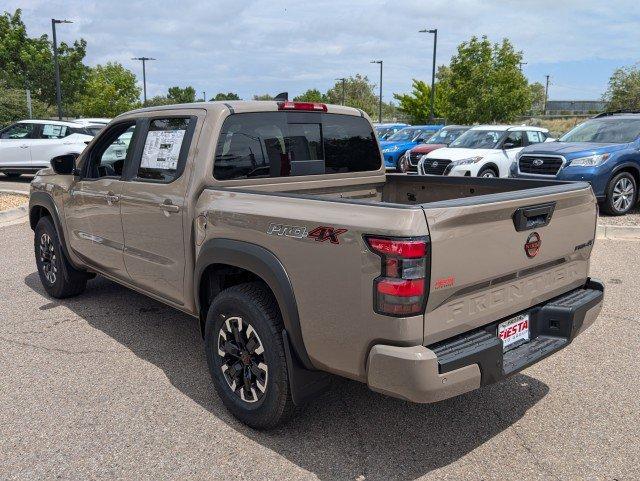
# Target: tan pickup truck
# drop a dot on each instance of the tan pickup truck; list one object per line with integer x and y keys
{"x": 274, "y": 224}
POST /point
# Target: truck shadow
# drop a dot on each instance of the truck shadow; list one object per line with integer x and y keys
{"x": 348, "y": 432}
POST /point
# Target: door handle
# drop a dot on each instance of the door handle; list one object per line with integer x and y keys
{"x": 112, "y": 198}
{"x": 168, "y": 206}
{"x": 24, "y": 146}
{"x": 533, "y": 216}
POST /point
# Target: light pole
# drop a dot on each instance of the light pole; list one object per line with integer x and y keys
{"x": 144, "y": 76}
{"x": 434, "y": 31}
{"x": 546, "y": 96}
{"x": 380, "y": 99}
{"x": 57, "y": 67}
{"x": 343, "y": 80}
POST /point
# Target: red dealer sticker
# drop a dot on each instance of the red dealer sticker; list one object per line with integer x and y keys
{"x": 514, "y": 330}
{"x": 532, "y": 245}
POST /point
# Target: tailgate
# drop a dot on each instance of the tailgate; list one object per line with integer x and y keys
{"x": 480, "y": 268}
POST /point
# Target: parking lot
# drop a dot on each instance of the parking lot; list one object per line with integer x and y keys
{"x": 114, "y": 385}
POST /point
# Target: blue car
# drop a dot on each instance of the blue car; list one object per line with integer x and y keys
{"x": 384, "y": 131}
{"x": 604, "y": 151}
{"x": 394, "y": 147}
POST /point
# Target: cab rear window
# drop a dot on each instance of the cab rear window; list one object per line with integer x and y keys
{"x": 288, "y": 144}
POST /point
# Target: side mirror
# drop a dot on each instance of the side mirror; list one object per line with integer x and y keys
{"x": 64, "y": 164}
{"x": 508, "y": 145}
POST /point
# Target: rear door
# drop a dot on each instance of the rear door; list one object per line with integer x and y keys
{"x": 50, "y": 136}
{"x": 486, "y": 266}
{"x": 153, "y": 203}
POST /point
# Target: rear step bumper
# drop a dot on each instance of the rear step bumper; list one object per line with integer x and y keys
{"x": 473, "y": 359}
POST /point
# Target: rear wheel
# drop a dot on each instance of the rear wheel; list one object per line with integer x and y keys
{"x": 58, "y": 277}
{"x": 246, "y": 357}
{"x": 622, "y": 194}
{"x": 487, "y": 172}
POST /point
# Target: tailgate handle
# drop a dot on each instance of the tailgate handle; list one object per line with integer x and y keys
{"x": 533, "y": 216}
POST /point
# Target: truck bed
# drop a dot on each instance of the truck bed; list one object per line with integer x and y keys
{"x": 479, "y": 271}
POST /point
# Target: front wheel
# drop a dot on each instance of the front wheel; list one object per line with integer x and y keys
{"x": 487, "y": 172}
{"x": 246, "y": 357}
{"x": 402, "y": 165}
{"x": 622, "y": 194}
{"x": 58, "y": 277}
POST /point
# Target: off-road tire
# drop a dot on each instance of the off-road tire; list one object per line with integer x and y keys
{"x": 58, "y": 277}
{"x": 255, "y": 305}
{"x": 613, "y": 193}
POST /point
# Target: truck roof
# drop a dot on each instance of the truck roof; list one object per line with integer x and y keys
{"x": 243, "y": 106}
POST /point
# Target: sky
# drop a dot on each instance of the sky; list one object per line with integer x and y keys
{"x": 255, "y": 47}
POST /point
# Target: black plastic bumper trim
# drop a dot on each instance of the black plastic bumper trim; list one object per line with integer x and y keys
{"x": 552, "y": 326}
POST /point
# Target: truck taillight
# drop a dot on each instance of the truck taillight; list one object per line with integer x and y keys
{"x": 402, "y": 287}
{"x": 312, "y": 106}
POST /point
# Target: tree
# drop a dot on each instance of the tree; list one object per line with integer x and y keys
{"x": 358, "y": 93}
{"x": 13, "y": 106}
{"x": 311, "y": 95}
{"x": 486, "y": 84}
{"x": 623, "y": 92}
{"x": 178, "y": 95}
{"x": 417, "y": 104}
{"x": 28, "y": 62}
{"x": 227, "y": 96}
{"x": 263, "y": 97}
{"x": 538, "y": 96}
{"x": 111, "y": 89}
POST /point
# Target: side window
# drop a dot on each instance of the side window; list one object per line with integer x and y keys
{"x": 52, "y": 131}
{"x": 535, "y": 137}
{"x": 19, "y": 131}
{"x": 108, "y": 156}
{"x": 163, "y": 149}
{"x": 514, "y": 138}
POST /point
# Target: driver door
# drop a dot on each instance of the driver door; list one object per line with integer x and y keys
{"x": 14, "y": 144}
{"x": 93, "y": 210}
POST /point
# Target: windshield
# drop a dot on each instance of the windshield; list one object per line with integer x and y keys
{"x": 478, "y": 139}
{"x": 445, "y": 136}
{"x": 408, "y": 135}
{"x": 604, "y": 131}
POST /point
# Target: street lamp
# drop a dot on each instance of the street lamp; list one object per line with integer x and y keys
{"x": 144, "y": 76}
{"x": 57, "y": 67}
{"x": 433, "y": 72}
{"x": 380, "y": 99}
{"x": 343, "y": 80}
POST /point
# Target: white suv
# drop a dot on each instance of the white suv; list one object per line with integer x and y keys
{"x": 482, "y": 151}
{"x": 29, "y": 145}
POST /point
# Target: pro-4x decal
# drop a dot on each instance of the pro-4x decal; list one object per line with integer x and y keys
{"x": 324, "y": 233}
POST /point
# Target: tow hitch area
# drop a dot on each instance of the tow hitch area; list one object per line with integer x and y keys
{"x": 510, "y": 345}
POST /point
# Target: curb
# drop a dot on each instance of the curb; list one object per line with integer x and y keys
{"x": 17, "y": 212}
{"x": 619, "y": 232}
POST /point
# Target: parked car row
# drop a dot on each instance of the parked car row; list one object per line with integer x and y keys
{"x": 604, "y": 151}
{"x": 29, "y": 145}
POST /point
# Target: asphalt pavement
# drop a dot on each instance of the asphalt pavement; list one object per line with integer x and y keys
{"x": 113, "y": 385}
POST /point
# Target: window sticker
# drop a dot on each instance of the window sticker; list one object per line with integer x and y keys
{"x": 162, "y": 149}
{"x": 50, "y": 130}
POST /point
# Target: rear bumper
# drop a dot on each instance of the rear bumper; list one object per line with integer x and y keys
{"x": 464, "y": 363}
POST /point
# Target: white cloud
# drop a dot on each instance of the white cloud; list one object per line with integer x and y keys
{"x": 268, "y": 46}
